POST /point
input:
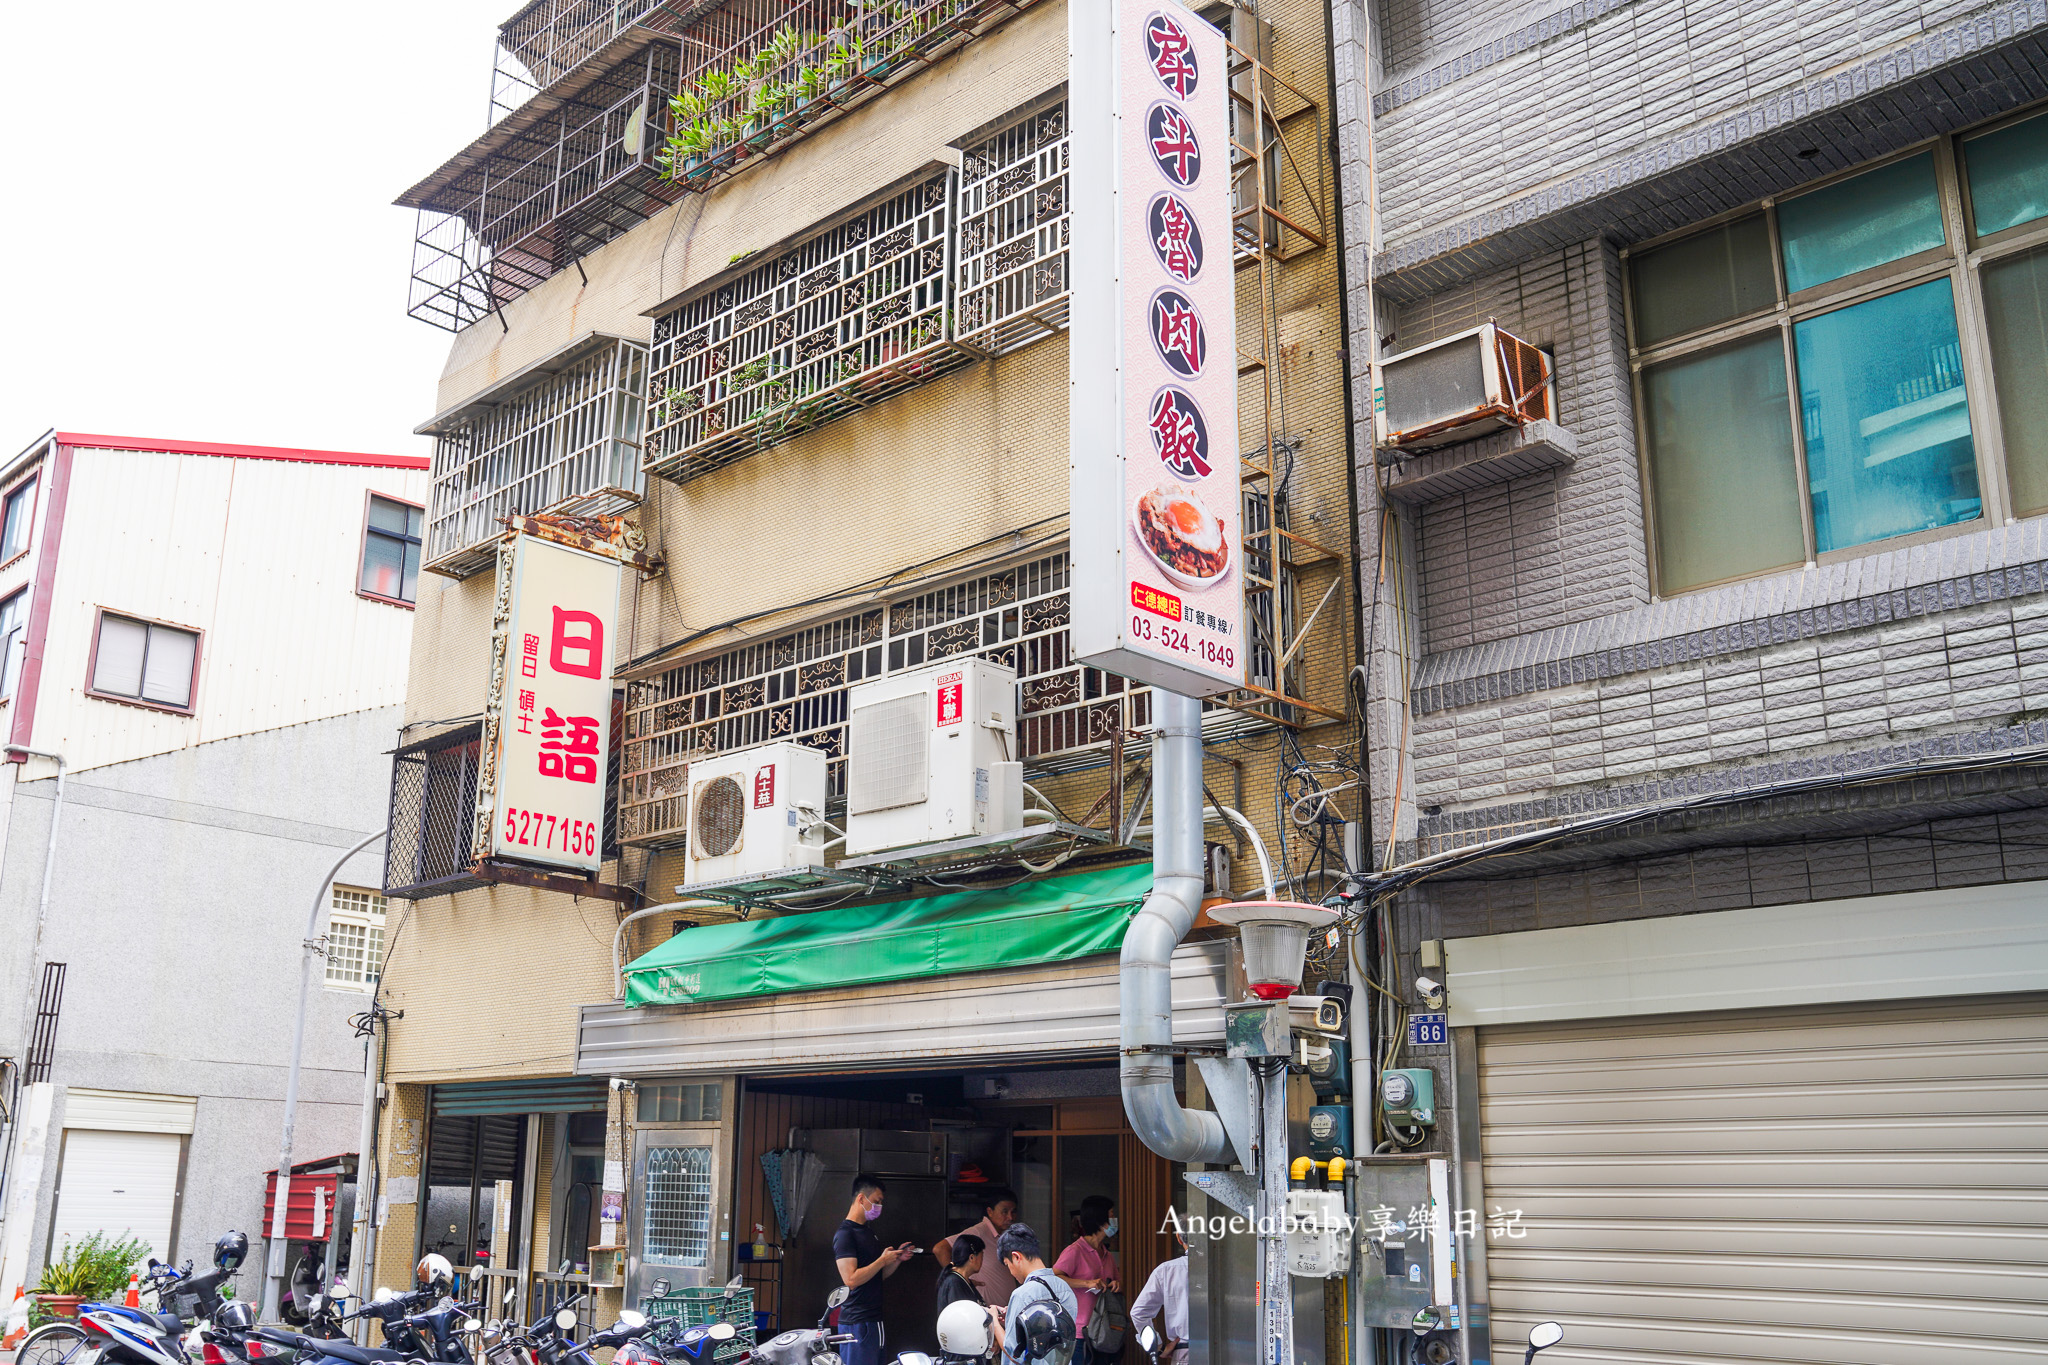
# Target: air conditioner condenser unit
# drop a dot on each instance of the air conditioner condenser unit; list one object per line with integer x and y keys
{"x": 754, "y": 812}
{"x": 1460, "y": 388}
{"x": 932, "y": 756}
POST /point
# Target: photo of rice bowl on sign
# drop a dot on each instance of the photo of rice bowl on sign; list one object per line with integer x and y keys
{"x": 1188, "y": 541}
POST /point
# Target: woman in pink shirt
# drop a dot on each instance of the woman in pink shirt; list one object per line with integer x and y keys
{"x": 1089, "y": 1269}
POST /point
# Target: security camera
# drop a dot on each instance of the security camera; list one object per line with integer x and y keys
{"x": 1432, "y": 992}
{"x": 1322, "y": 1014}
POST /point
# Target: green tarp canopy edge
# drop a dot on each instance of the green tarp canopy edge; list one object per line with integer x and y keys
{"x": 1053, "y": 919}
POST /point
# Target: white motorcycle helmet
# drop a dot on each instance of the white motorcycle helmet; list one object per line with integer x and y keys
{"x": 434, "y": 1272}
{"x": 963, "y": 1330}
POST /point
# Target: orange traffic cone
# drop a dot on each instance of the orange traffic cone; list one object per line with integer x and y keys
{"x": 17, "y": 1323}
{"x": 134, "y": 1299}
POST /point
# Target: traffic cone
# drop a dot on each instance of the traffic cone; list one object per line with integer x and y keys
{"x": 134, "y": 1299}
{"x": 17, "y": 1322}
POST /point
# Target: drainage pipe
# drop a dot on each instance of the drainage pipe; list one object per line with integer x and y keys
{"x": 1145, "y": 973}
{"x": 35, "y": 949}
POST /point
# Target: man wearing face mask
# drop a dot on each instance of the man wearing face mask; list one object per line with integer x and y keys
{"x": 863, "y": 1264}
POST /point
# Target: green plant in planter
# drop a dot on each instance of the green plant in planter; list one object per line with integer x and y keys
{"x": 749, "y": 374}
{"x": 716, "y": 87}
{"x": 93, "y": 1267}
{"x": 784, "y": 46}
{"x": 810, "y": 82}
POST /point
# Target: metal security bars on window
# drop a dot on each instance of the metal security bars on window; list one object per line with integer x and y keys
{"x": 550, "y": 38}
{"x": 355, "y": 936}
{"x": 854, "y": 314}
{"x": 678, "y": 1209}
{"x": 433, "y": 804}
{"x": 1013, "y": 234}
{"x": 567, "y": 444}
{"x": 793, "y": 687}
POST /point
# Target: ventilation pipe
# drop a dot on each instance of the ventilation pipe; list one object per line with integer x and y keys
{"x": 1145, "y": 975}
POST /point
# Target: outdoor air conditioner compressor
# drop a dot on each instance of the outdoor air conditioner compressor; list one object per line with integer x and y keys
{"x": 754, "y": 812}
{"x": 932, "y": 756}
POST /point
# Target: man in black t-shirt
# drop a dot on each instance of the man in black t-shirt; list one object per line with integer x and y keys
{"x": 863, "y": 1264}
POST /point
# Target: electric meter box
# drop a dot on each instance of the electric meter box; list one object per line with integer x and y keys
{"x": 932, "y": 757}
{"x": 1330, "y": 1071}
{"x": 1408, "y": 1096}
{"x": 1329, "y": 1131}
{"x": 1403, "y": 1266}
{"x": 1318, "y": 1234}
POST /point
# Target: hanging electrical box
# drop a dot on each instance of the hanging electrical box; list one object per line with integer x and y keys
{"x": 1406, "y": 1229}
{"x": 1408, "y": 1096}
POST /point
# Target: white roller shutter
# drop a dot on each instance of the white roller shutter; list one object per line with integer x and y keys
{"x": 128, "y": 1111}
{"x": 1863, "y": 1184}
{"x": 121, "y": 1184}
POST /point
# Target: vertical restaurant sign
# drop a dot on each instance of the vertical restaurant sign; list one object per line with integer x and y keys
{"x": 555, "y": 708}
{"x": 1156, "y": 504}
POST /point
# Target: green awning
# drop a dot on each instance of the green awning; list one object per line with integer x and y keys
{"x": 1050, "y": 920}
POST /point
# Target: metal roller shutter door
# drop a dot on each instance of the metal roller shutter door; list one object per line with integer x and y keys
{"x": 119, "y": 1184}
{"x": 1853, "y": 1184}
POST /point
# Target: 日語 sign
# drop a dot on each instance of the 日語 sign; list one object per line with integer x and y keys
{"x": 554, "y": 730}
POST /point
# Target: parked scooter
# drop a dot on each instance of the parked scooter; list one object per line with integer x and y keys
{"x": 120, "y": 1335}
{"x": 806, "y": 1345}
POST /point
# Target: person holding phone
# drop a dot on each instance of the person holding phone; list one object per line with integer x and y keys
{"x": 863, "y": 1264}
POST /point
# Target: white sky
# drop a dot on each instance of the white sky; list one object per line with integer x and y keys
{"x": 195, "y": 213}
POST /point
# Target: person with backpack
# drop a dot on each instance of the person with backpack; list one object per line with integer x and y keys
{"x": 1090, "y": 1271}
{"x": 1039, "y": 1322}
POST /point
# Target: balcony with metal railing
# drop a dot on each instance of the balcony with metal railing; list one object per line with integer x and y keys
{"x": 952, "y": 269}
{"x": 561, "y": 437}
{"x": 584, "y": 141}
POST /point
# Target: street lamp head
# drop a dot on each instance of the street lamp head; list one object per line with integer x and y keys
{"x": 1275, "y": 937}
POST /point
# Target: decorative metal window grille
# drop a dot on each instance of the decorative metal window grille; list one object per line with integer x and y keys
{"x": 793, "y": 687}
{"x": 820, "y": 330}
{"x": 568, "y": 443}
{"x": 548, "y": 191}
{"x": 355, "y": 936}
{"x": 433, "y": 803}
{"x": 1013, "y": 234}
{"x": 677, "y": 1226}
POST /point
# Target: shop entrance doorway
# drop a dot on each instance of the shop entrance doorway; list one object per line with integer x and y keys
{"x": 1054, "y": 1135}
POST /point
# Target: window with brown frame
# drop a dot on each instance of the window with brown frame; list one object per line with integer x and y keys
{"x": 17, "y": 515}
{"x": 144, "y": 662}
{"x": 390, "y": 570}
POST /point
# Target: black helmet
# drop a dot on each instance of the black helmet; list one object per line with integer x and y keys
{"x": 1046, "y": 1331}
{"x": 231, "y": 1250}
{"x": 236, "y": 1315}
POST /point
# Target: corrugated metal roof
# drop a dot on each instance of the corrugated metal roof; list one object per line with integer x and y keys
{"x": 302, "y": 456}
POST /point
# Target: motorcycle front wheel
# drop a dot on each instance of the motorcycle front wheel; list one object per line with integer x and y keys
{"x": 55, "y": 1343}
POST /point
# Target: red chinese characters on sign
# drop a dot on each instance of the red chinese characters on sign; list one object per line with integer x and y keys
{"x": 764, "y": 787}
{"x": 568, "y": 746}
{"x": 578, "y": 645}
{"x": 952, "y": 703}
{"x": 1172, "y": 55}
{"x": 1176, "y": 237}
{"x": 1174, "y": 145}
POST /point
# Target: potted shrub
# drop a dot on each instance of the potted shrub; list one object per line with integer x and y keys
{"x": 92, "y": 1269}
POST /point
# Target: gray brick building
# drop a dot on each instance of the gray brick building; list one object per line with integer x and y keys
{"x": 1706, "y": 728}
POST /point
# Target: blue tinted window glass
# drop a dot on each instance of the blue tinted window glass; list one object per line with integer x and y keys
{"x": 1888, "y": 446}
{"x": 1852, "y": 225}
{"x": 2008, "y": 172}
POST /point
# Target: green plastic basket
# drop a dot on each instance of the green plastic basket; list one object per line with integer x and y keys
{"x": 696, "y": 1306}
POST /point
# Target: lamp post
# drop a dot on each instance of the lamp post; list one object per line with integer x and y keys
{"x": 273, "y": 1269}
{"x": 1274, "y": 935}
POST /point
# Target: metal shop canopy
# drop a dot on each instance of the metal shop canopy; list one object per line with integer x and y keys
{"x": 1041, "y": 921}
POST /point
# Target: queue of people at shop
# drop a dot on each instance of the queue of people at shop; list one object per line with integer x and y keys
{"x": 998, "y": 1287}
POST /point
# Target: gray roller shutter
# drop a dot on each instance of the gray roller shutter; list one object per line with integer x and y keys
{"x": 1863, "y": 1184}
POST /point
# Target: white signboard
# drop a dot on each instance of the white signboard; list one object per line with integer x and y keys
{"x": 1158, "y": 539}
{"x": 554, "y": 726}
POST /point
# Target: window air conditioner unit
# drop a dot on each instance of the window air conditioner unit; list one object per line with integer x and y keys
{"x": 1461, "y": 387}
{"x": 752, "y": 813}
{"x": 931, "y": 757}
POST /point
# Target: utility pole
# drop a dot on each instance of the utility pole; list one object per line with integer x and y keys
{"x": 313, "y": 946}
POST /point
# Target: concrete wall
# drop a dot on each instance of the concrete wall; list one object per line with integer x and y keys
{"x": 182, "y": 887}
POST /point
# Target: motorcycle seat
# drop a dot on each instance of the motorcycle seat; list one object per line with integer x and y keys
{"x": 171, "y": 1323}
{"x": 333, "y": 1348}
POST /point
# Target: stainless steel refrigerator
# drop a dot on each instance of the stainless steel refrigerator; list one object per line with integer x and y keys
{"x": 912, "y": 1168}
